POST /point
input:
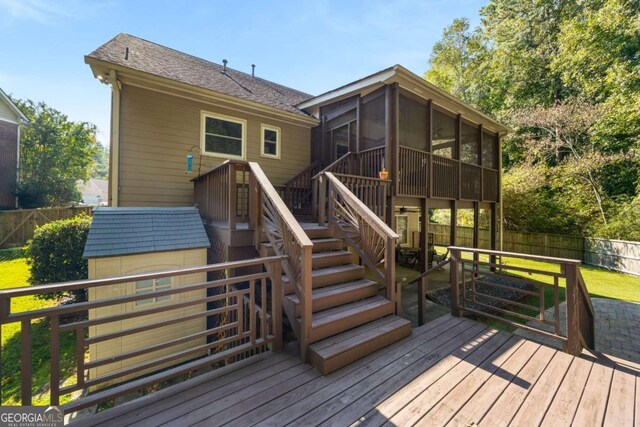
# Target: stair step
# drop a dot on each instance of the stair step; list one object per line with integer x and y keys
{"x": 328, "y": 276}
{"x": 339, "y": 319}
{"x": 335, "y": 295}
{"x": 315, "y": 231}
{"x": 340, "y": 350}
{"x": 332, "y": 258}
{"x": 319, "y": 245}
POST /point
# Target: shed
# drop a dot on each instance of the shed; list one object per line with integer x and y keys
{"x": 126, "y": 241}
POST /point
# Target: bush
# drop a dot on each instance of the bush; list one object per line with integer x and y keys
{"x": 55, "y": 253}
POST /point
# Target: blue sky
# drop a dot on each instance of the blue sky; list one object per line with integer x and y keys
{"x": 311, "y": 45}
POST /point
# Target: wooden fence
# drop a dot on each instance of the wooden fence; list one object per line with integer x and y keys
{"x": 615, "y": 255}
{"x": 17, "y": 227}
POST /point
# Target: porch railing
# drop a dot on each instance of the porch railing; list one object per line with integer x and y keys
{"x": 142, "y": 344}
{"x": 477, "y": 273}
{"x": 222, "y": 193}
{"x": 413, "y": 175}
{"x": 364, "y": 231}
{"x": 297, "y": 191}
{"x": 271, "y": 217}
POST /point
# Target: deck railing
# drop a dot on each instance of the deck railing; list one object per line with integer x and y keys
{"x": 297, "y": 191}
{"x": 271, "y": 217}
{"x": 489, "y": 185}
{"x": 445, "y": 178}
{"x": 477, "y": 273}
{"x": 413, "y": 174}
{"x": 364, "y": 231}
{"x": 222, "y": 193}
{"x": 141, "y": 343}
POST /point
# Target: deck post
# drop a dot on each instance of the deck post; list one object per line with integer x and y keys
{"x": 233, "y": 193}
{"x": 493, "y": 238}
{"x": 454, "y": 279}
{"x": 276, "y": 304}
{"x": 572, "y": 346}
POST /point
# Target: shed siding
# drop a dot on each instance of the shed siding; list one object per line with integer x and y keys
{"x": 156, "y": 132}
{"x": 8, "y": 164}
{"x": 132, "y": 264}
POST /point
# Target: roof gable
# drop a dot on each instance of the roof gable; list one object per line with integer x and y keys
{"x": 9, "y": 111}
{"x": 145, "y": 56}
{"x": 129, "y": 231}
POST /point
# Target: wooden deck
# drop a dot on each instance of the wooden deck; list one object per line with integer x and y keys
{"x": 451, "y": 371}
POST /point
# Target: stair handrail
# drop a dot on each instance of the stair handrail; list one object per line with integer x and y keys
{"x": 332, "y": 167}
{"x": 302, "y": 180}
{"x": 270, "y": 216}
{"x": 364, "y": 231}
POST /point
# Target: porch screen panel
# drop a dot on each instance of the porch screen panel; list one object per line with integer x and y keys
{"x": 413, "y": 123}
{"x": 373, "y": 123}
{"x": 444, "y": 134}
{"x": 469, "y": 144}
{"x": 489, "y": 150}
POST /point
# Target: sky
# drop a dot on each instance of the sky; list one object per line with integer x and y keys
{"x": 311, "y": 45}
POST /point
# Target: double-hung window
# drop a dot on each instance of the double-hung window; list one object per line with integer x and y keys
{"x": 151, "y": 285}
{"x": 270, "y": 141}
{"x": 223, "y": 136}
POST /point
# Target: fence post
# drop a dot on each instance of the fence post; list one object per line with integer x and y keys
{"x": 453, "y": 274}
{"x": 572, "y": 346}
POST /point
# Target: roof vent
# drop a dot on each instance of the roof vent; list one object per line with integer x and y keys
{"x": 253, "y": 70}
{"x": 126, "y": 53}
{"x": 224, "y": 66}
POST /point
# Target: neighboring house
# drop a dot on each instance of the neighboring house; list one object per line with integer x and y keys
{"x": 253, "y": 143}
{"x": 11, "y": 118}
{"x": 94, "y": 192}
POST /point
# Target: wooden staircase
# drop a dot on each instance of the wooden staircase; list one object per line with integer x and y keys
{"x": 350, "y": 318}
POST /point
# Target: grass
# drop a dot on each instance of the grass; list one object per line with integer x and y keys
{"x": 14, "y": 272}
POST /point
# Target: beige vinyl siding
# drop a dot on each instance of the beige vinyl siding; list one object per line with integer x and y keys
{"x": 6, "y": 113}
{"x": 132, "y": 264}
{"x": 157, "y": 130}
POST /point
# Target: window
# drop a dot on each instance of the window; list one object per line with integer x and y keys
{"x": 270, "y": 141}
{"x": 151, "y": 285}
{"x": 223, "y": 136}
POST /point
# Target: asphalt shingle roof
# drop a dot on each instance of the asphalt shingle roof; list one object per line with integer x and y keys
{"x": 128, "y": 231}
{"x": 162, "y": 61}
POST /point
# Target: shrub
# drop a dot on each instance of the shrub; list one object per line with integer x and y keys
{"x": 55, "y": 253}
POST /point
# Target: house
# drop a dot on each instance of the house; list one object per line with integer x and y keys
{"x": 94, "y": 192}
{"x": 11, "y": 118}
{"x": 263, "y": 162}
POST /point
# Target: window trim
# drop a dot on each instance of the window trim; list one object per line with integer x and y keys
{"x": 278, "y": 132}
{"x": 203, "y": 120}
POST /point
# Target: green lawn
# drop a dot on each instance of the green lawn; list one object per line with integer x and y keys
{"x": 14, "y": 272}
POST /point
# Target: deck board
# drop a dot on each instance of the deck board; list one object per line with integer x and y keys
{"x": 451, "y": 371}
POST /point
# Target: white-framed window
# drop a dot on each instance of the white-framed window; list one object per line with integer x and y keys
{"x": 223, "y": 136}
{"x": 270, "y": 146}
{"x": 151, "y": 285}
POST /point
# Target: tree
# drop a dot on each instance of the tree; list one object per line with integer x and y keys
{"x": 457, "y": 61}
{"x": 54, "y": 154}
{"x": 100, "y": 168}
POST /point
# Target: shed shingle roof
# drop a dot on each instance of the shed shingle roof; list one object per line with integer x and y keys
{"x": 165, "y": 62}
{"x": 128, "y": 231}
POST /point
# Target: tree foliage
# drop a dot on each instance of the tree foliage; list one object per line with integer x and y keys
{"x": 54, "y": 154}
{"x": 565, "y": 74}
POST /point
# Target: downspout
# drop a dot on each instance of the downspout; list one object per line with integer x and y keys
{"x": 17, "y": 168}
{"x": 500, "y": 189}
{"x": 114, "y": 176}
